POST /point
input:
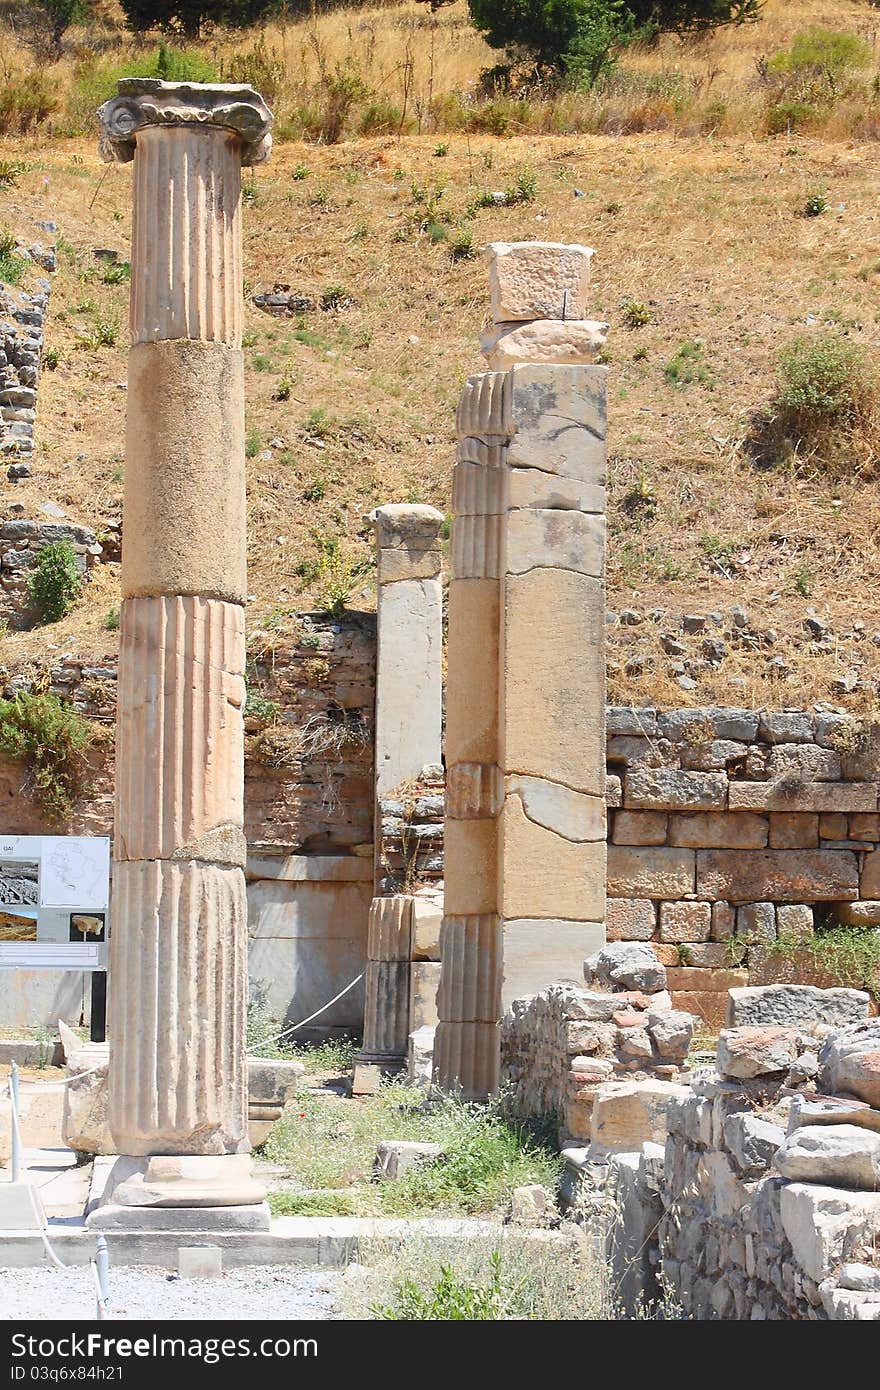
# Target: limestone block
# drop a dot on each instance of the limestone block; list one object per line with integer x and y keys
{"x": 627, "y": 965}
{"x": 827, "y": 797}
{"x": 613, "y": 792}
{"x": 796, "y": 1006}
{"x": 183, "y": 1180}
{"x": 723, "y": 921}
{"x": 389, "y": 935}
{"x": 627, "y": 1114}
{"x": 476, "y": 547}
{"x": 471, "y": 867}
{"x": 685, "y": 921}
{"x": 394, "y": 565}
{"x": 700, "y": 980}
{"x": 851, "y": 1062}
{"x": 823, "y": 1222}
{"x": 794, "y": 920}
{"x": 779, "y": 875}
{"x": 859, "y": 914}
{"x": 833, "y": 826}
{"x": 555, "y": 679}
{"x": 753, "y": 1142}
{"x": 718, "y": 830}
{"x": 273, "y": 1080}
{"x": 640, "y": 828}
{"x": 200, "y": 1261}
{"x": 565, "y": 540}
{"x": 474, "y": 791}
{"x": 184, "y": 476}
{"x": 484, "y": 407}
{"x": 870, "y": 882}
{"x": 793, "y": 830}
{"x": 714, "y": 954}
{"x": 186, "y": 227}
{"x": 386, "y": 1009}
{"x": 394, "y": 1157}
{"x": 427, "y": 921}
{"x": 573, "y": 815}
{"x": 671, "y": 1031}
{"x": 864, "y": 827}
{"x": 470, "y": 979}
{"x": 650, "y": 873}
{"x": 562, "y": 342}
{"x": 744, "y": 1053}
{"x": 408, "y": 680}
{"x": 527, "y": 487}
{"x": 472, "y": 674}
{"x": 467, "y": 1057}
{"x": 668, "y": 789}
{"x": 420, "y": 1056}
{"x": 409, "y": 528}
{"x": 85, "y": 1127}
{"x": 630, "y": 919}
{"x": 834, "y": 1155}
{"x": 556, "y": 417}
{"x": 424, "y": 981}
{"x": 179, "y": 714}
{"x": 544, "y": 951}
{"x": 545, "y": 874}
{"x": 806, "y": 761}
{"x": 178, "y": 1084}
{"x": 538, "y": 280}
{"x": 756, "y": 922}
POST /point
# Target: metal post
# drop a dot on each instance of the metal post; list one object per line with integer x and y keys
{"x": 102, "y": 1262}
{"x": 16, "y": 1127}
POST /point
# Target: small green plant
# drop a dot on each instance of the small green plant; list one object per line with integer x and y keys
{"x": 524, "y": 189}
{"x": 804, "y": 581}
{"x": 55, "y": 582}
{"x": 337, "y": 574}
{"x": 441, "y": 150}
{"x": 253, "y": 443}
{"x": 320, "y": 198}
{"x": 51, "y": 358}
{"x": 111, "y": 620}
{"x": 50, "y": 739}
{"x": 688, "y": 366}
{"x": 636, "y": 315}
{"x": 9, "y": 172}
{"x": 315, "y": 491}
{"x": 12, "y": 266}
{"x": 461, "y": 245}
{"x": 257, "y": 706}
{"x": 449, "y": 1299}
{"x": 335, "y": 297}
{"x": 848, "y": 956}
{"x": 103, "y": 333}
{"x": 283, "y": 389}
{"x": 737, "y": 951}
{"x": 116, "y": 273}
{"x": 299, "y": 172}
{"x": 317, "y": 423}
{"x": 640, "y": 501}
{"x": 815, "y": 205}
{"x": 820, "y": 379}
{"x": 684, "y": 954}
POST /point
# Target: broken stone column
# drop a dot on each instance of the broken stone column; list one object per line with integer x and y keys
{"x": 178, "y": 948}
{"x": 525, "y": 738}
{"x": 409, "y": 703}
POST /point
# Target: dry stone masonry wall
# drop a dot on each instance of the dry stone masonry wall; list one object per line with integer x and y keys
{"x": 22, "y": 337}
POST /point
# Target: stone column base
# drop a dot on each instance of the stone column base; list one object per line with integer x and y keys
{"x": 180, "y": 1192}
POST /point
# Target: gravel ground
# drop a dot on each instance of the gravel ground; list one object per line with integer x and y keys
{"x": 243, "y": 1295}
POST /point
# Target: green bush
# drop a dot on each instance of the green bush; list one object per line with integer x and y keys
{"x": 55, "y": 583}
{"x": 25, "y": 102}
{"x": 821, "y": 380}
{"x": 450, "y": 1298}
{"x": 12, "y": 266}
{"x": 50, "y": 739}
{"x": 822, "y": 52}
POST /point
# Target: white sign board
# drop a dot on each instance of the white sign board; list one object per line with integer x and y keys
{"x": 54, "y": 899}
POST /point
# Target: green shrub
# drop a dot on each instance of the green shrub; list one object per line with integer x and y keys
{"x": 50, "y": 739}
{"x": 822, "y": 380}
{"x": 847, "y": 956}
{"x": 25, "y": 102}
{"x": 815, "y": 205}
{"x": 55, "y": 583}
{"x": 822, "y": 52}
{"x": 450, "y": 1298}
{"x": 12, "y": 266}
{"x": 95, "y": 79}
{"x": 687, "y": 366}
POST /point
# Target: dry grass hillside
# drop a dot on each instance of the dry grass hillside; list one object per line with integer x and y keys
{"x": 706, "y": 268}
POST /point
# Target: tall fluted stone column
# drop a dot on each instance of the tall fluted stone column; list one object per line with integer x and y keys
{"x": 525, "y": 747}
{"x": 178, "y": 951}
{"x": 409, "y": 716}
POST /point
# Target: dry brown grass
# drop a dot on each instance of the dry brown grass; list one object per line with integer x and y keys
{"x": 704, "y": 232}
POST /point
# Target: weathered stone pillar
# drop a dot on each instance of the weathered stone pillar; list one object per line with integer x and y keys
{"x": 409, "y": 713}
{"x": 178, "y": 950}
{"x": 525, "y": 747}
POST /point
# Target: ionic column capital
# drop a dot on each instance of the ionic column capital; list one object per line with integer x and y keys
{"x": 150, "y": 101}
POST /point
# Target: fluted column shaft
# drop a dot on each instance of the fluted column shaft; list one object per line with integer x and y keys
{"x": 178, "y": 960}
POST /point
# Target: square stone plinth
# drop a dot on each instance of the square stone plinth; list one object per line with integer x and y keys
{"x": 112, "y": 1217}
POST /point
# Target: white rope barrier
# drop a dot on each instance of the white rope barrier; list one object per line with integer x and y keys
{"x": 264, "y": 1042}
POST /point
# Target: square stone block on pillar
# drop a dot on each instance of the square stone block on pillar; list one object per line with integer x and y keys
{"x": 539, "y": 952}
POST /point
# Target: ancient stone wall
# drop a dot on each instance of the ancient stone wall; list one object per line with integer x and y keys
{"x": 22, "y": 330}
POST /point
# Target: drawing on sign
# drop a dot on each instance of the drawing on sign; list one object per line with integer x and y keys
{"x": 19, "y": 882}
{"x": 74, "y": 872}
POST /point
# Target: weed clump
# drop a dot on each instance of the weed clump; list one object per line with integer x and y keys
{"x": 55, "y": 583}
{"x": 825, "y": 410}
{"x": 50, "y": 739}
